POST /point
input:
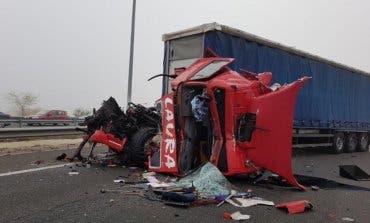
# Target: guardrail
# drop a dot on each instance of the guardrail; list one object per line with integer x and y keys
{"x": 20, "y": 122}
{"x": 8, "y": 133}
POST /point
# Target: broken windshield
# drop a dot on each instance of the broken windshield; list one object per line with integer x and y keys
{"x": 210, "y": 69}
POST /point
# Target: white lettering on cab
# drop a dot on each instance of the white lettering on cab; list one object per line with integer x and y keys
{"x": 169, "y": 136}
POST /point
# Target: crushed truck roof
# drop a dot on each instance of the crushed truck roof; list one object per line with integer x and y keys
{"x": 254, "y": 38}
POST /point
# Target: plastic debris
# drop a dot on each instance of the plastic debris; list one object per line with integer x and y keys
{"x": 61, "y": 156}
{"x": 348, "y": 219}
{"x": 178, "y": 197}
{"x": 353, "y": 172}
{"x": 232, "y": 193}
{"x": 247, "y": 202}
{"x": 313, "y": 187}
{"x": 119, "y": 180}
{"x": 73, "y": 172}
{"x": 154, "y": 182}
{"x": 239, "y": 216}
{"x": 294, "y": 207}
{"x": 227, "y": 215}
{"x": 38, "y": 162}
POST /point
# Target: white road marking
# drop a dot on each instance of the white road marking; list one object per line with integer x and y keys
{"x": 33, "y": 170}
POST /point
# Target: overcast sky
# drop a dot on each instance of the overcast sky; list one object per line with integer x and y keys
{"x": 74, "y": 53}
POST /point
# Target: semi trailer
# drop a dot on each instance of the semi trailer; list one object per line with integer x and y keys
{"x": 332, "y": 111}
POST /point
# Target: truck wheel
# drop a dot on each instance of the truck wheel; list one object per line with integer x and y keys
{"x": 351, "y": 142}
{"x": 338, "y": 142}
{"x": 363, "y": 142}
{"x": 136, "y": 152}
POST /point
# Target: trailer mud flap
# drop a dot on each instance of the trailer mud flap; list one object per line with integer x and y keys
{"x": 271, "y": 145}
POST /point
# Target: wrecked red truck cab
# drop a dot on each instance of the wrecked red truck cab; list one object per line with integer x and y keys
{"x": 237, "y": 121}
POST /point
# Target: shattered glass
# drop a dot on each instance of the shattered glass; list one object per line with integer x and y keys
{"x": 208, "y": 181}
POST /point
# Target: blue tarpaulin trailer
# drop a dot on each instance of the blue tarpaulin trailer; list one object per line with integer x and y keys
{"x": 333, "y": 109}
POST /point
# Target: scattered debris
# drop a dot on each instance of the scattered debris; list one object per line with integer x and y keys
{"x": 73, "y": 172}
{"x": 61, "y": 156}
{"x": 353, "y": 172}
{"x": 247, "y": 202}
{"x": 327, "y": 184}
{"x": 154, "y": 182}
{"x": 38, "y": 162}
{"x": 227, "y": 215}
{"x": 313, "y": 187}
{"x": 236, "y": 216}
{"x": 239, "y": 216}
{"x": 232, "y": 193}
{"x": 179, "y": 197}
{"x": 122, "y": 181}
{"x": 348, "y": 219}
{"x": 294, "y": 207}
{"x": 208, "y": 181}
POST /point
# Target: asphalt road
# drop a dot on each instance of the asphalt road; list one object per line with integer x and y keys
{"x": 52, "y": 195}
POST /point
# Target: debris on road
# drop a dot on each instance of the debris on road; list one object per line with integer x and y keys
{"x": 208, "y": 181}
{"x": 227, "y": 215}
{"x": 239, "y": 216}
{"x": 38, "y": 162}
{"x": 323, "y": 183}
{"x": 119, "y": 180}
{"x": 236, "y": 216}
{"x": 61, "y": 156}
{"x": 73, "y": 172}
{"x": 294, "y": 207}
{"x": 313, "y": 187}
{"x": 154, "y": 182}
{"x": 348, "y": 219}
{"x": 353, "y": 172}
{"x": 247, "y": 202}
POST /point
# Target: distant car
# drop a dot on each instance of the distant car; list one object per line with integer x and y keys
{"x": 4, "y": 116}
{"x": 50, "y": 115}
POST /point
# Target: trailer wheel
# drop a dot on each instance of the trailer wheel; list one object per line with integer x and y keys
{"x": 137, "y": 150}
{"x": 338, "y": 142}
{"x": 363, "y": 142}
{"x": 351, "y": 142}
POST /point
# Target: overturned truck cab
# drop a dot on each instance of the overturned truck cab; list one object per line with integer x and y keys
{"x": 237, "y": 121}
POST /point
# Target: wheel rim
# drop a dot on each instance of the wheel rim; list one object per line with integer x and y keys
{"x": 363, "y": 142}
{"x": 340, "y": 143}
{"x": 352, "y": 142}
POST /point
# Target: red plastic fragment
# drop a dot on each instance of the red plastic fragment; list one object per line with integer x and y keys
{"x": 294, "y": 207}
{"x": 108, "y": 139}
{"x": 227, "y": 215}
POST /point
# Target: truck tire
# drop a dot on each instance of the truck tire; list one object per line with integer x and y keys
{"x": 351, "y": 142}
{"x": 363, "y": 142}
{"x": 338, "y": 143}
{"x": 136, "y": 152}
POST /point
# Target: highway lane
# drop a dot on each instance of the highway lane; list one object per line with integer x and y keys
{"x": 52, "y": 195}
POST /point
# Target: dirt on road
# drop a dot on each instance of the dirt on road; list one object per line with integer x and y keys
{"x": 18, "y": 147}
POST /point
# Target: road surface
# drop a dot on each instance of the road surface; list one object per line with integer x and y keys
{"x": 50, "y": 194}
